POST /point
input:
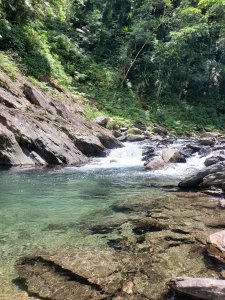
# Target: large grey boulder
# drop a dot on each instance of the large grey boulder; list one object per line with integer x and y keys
{"x": 102, "y": 121}
{"x": 172, "y": 155}
{"x": 213, "y": 160}
{"x": 200, "y": 288}
{"x": 155, "y": 164}
{"x": 216, "y": 179}
{"x": 196, "y": 179}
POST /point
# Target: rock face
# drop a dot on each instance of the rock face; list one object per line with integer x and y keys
{"x": 216, "y": 245}
{"x": 200, "y": 288}
{"x": 34, "y": 129}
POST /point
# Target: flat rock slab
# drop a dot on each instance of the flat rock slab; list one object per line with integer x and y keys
{"x": 200, "y": 288}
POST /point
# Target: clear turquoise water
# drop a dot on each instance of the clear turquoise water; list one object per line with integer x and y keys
{"x": 48, "y": 208}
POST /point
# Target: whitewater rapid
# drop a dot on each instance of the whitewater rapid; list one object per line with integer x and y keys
{"x": 131, "y": 156}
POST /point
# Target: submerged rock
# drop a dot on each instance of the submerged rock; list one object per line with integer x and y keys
{"x": 200, "y": 288}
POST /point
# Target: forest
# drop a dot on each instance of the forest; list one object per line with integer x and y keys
{"x": 151, "y": 60}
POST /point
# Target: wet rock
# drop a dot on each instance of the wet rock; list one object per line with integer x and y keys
{"x": 195, "y": 148}
{"x": 196, "y": 179}
{"x": 102, "y": 121}
{"x": 206, "y": 142}
{"x": 205, "y": 151}
{"x": 213, "y": 160}
{"x": 135, "y": 138}
{"x": 215, "y": 245}
{"x": 216, "y": 179}
{"x": 148, "y": 152}
{"x": 200, "y": 288}
{"x": 172, "y": 156}
{"x": 155, "y": 164}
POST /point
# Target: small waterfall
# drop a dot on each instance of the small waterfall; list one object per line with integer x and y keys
{"x": 128, "y": 156}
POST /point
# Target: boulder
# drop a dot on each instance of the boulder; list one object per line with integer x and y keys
{"x": 199, "y": 288}
{"x": 195, "y": 148}
{"x": 196, "y": 179}
{"x": 172, "y": 156}
{"x": 159, "y": 130}
{"x": 155, "y": 164}
{"x": 207, "y": 142}
{"x": 135, "y": 138}
{"x": 148, "y": 153}
{"x": 216, "y": 179}
{"x": 205, "y": 151}
{"x": 133, "y": 131}
{"x": 140, "y": 125}
{"x": 215, "y": 245}
{"x": 213, "y": 160}
{"x": 102, "y": 121}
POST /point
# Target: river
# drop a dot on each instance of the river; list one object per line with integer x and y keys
{"x": 48, "y": 208}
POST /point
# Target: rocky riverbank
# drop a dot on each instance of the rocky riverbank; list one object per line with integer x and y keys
{"x": 36, "y": 129}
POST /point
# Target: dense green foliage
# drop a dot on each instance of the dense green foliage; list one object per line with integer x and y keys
{"x": 161, "y": 61}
